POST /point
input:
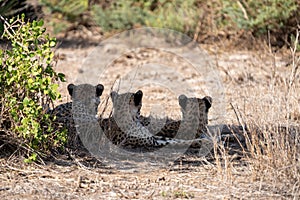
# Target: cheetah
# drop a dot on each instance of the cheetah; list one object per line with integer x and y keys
{"x": 194, "y": 119}
{"x": 125, "y": 129}
{"x": 81, "y": 111}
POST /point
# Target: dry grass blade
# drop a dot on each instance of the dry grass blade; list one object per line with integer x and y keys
{"x": 295, "y": 60}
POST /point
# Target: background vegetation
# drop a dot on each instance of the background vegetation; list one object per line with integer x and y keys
{"x": 194, "y": 17}
{"x": 197, "y": 18}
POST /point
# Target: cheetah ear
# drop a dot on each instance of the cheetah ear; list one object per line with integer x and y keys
{"x": 99, "y": 90}
{"x": 138, "y": 97}
{"x": 113, "y": 96}
{"x": 71, "y": 89}
{"x": 208, "y": 101}
{"x": 182, "y": 101}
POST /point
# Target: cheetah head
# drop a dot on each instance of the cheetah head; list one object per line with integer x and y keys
{"x": 86, "y": 94}
{"x": 127, "y": 105}
{"x": 195, "y": 107}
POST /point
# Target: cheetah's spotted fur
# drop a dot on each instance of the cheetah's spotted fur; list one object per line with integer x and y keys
{"x": 82, "y": 110}
{"x": 193, "y": 123}
{"x": 125, "y": 129}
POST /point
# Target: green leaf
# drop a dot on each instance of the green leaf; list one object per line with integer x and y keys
{"x": 40, "y": 22}
{"x": 30, "y": 81}
{"x": 31, "y": 158}
{"x": 26, "y": 101}
{"x": 62, "y": 77}
{"x": 52, "y": 43}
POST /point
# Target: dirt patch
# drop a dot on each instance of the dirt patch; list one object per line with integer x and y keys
{"x": 197, "y": 180}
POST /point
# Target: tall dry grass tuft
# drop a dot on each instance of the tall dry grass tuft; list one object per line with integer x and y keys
{"x": 269, "y": 116}
{"x": 273, "y": 138}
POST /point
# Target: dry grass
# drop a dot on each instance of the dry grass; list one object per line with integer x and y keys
{"x": 269, "y": 108}
{"x": 274, "y": 135}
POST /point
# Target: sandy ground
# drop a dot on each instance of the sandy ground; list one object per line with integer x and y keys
{"x": 197, "y": 180}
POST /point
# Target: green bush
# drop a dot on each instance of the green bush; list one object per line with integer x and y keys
{"x": 120, "y": 15}
{"x": 27, "y": 87}
{"x": 70, "y": 9}
{"x": 180, "y": 15}
{"x": 258, "y": 16}
{"x": 64, "y": 14}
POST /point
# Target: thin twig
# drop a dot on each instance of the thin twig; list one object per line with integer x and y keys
{"x": 8, "y": 27}
{"x": 197, "y": 31}
{"x": 243, "y": 10}
{"x": 236, "y": 114}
